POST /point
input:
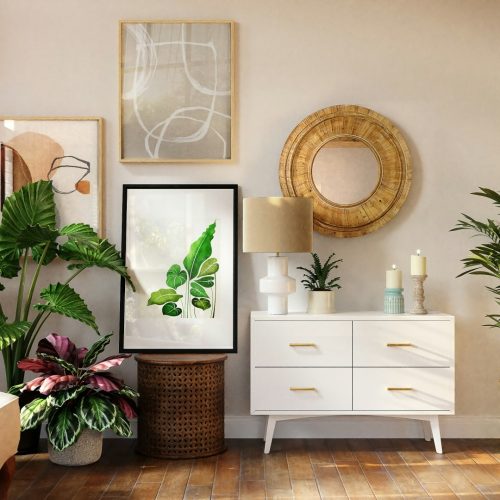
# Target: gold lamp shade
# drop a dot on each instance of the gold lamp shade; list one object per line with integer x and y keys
{"x": 277, "y": 224}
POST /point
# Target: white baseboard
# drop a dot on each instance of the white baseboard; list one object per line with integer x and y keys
{"x": 252, "y": 427}
{"x": 362, "y": 427}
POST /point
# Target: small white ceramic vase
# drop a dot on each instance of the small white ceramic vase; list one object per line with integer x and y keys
{"x": 86, "y": 450}
{"x": 321, "y": 302}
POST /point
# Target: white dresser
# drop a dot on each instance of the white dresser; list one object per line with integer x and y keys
{"x": 360, "y": 363}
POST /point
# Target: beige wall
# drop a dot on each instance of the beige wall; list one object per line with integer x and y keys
{"x": 431, "y": 66}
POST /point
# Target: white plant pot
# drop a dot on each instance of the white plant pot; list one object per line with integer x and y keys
{"x": 321, "y": 302}
{"x": 86, "y": 450}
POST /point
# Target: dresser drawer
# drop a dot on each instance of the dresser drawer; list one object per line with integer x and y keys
{"x": 302, "y": 343}
{"x": 383, "y": 389}
{"x": 403, "y": 343}
{"x": 301, "y": 389}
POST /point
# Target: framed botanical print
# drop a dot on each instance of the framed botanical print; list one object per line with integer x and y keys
{"x": 180, "y": 246}
{"x": 176, "y": 91}
{"x": 64, "y": 150}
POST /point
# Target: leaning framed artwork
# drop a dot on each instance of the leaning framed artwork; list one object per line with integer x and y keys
{"x": 179, "y": 243}
{"x": 176, "y": 91}
{"x": 65, "y": 150}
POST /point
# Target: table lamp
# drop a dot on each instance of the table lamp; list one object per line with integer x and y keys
{"x": 277, "y": 225}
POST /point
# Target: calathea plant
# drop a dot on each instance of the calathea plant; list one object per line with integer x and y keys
{"x": 76, "y": 391}
{"x": 30, "y": 240}
{"x": 193, "y": 286}
{"x": 317, "y": 278}
{"x": 484, "y": 259}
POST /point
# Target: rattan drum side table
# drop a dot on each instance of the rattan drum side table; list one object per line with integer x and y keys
{"x": 181, "y": 405}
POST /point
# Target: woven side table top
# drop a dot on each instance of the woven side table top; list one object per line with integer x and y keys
{"x": 181, "y": 405}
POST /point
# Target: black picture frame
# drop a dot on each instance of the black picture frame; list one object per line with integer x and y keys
{"x": 127, "y": 188}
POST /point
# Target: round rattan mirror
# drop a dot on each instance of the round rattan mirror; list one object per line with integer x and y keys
{"x": 354, "y": 164}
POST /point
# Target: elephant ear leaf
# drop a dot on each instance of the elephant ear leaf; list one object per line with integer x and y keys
{"x": 197, "y": 290}
{"x": 202, "y": 303}
{"x": 210, "y": 266}
{"x": 62, "y": 299}
{"x": 176, "y": 277}
{"x": 170, "y": 309}
{"x": 162, "y": 296}
{"x": 199, "y": 252}
{"x": 11, "y": 332}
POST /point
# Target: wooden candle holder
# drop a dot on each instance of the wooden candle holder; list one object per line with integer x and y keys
{"x": 418, "y": 294}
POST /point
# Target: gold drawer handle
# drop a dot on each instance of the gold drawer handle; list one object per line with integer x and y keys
{"x": 302, "y": 344}
{"x": 400, "y": 389}
{"x": 403, "y": 344}
{"x": 303, "y": 388}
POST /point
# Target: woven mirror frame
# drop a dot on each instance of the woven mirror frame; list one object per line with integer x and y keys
{"x": 348, "y": 122}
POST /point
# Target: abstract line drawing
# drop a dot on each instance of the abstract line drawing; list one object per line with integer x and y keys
{"x": 66, "y": 151}
{"x": 176, "y": 91}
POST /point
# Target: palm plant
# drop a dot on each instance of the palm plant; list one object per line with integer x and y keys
{"x": 29, "y": 240}
{"x": 76, "y": 391}
{"x": 317, "y": 278}
{"x": 485, "y": 258}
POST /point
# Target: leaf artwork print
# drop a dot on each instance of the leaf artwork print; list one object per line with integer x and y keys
{"x": 191, "y": 286}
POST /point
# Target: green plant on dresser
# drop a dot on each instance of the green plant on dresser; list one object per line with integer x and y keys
{"x": 317, "y": 277}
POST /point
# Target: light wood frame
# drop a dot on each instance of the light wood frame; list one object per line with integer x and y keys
{"x": 232, "y": 24}
{"x": 377, "y": 133}
{"x": 100, "y": 155}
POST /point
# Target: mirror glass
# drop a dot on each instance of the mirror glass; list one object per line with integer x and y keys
{"x": 345, "y": 171}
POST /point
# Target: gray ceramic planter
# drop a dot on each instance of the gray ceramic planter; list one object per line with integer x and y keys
{"x": 86, "y": 450}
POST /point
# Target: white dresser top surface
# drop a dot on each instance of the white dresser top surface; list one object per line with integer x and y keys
{"x": 351, "y": 316}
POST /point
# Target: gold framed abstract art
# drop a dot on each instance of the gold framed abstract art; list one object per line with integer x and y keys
{"x": 65, "y": 150}
{"x": 176, "y": 91}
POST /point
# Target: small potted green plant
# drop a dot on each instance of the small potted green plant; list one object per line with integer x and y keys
{"x": 321, "y": 285}
{"x": 78, "y": 398}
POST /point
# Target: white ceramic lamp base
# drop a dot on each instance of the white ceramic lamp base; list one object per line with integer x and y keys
{"x": 277, "y": 285}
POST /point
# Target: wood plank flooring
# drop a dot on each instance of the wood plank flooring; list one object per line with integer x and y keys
{"x": 295, "y": 469}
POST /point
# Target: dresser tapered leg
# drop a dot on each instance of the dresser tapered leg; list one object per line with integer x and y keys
{"x": 271, "y": 424}
{"x": 436, "y": 433}
{"x": 426, "y": 428}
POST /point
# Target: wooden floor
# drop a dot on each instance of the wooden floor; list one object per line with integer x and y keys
{"x": 304, "y": 469}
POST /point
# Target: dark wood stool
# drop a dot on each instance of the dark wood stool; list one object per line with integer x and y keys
{"x": 181, "y": 405}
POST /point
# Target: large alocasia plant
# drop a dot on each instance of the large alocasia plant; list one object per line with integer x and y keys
{"x": 76, "y": 391}
{"x": 29, "y": 240}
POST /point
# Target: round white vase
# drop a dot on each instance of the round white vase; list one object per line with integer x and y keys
{"x": 86, "y": 450}
{"x": 321, "y": 302}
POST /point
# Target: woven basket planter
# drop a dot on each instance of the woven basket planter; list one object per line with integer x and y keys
{"x": 181, "y": 407}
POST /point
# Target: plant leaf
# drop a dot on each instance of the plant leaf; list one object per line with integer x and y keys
{"x": 206, "y": 281}
{"x": 96, "y": 349}
{"x": 129, "y": 392}
{"x": 102, "y": 382}
{"x": 35, "y": 365}
{"x": 57, "y": 345}
{"x": 58, "y": 398}
{"x": 11, "y": 332}
{"x": 121, "y": 425}
{"x": 56, "y": 383}
{"x": 31, "y": 207}
{"x": 50, "y": 254}
{"x": 170, "y": 309}
{"x": 210, "y": 266}
{"x": 34, "y": 384}
{"x": 34, "y": 413}
{"x": 108, "y": 363}
{"x": 90, "y": 253}
{"x": 9, "y": 265}
{"x": 202, "y": 303}
{"x": 197, "y": 290}
{"x": 62, "y": 299}
{"x": 98, "y": 413}
{"x": 199, "y": 251}
{"x": 65, "y": 365}
{"x": 63, "y": 428}
{"x": 162, "y": 296}
{"x": 176, "y": 277}
{"x": 79, "y": 232}
{"x": 128, "y": 407}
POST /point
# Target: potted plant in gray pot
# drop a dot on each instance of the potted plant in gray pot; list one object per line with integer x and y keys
{"x": 29, "y": 241}
{"x": 320, "y": 285}
{"x": 78, "y": 398}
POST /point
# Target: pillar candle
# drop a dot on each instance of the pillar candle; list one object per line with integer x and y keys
{"x": 394, "y": 278}
{"x": 418, "y": 265}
